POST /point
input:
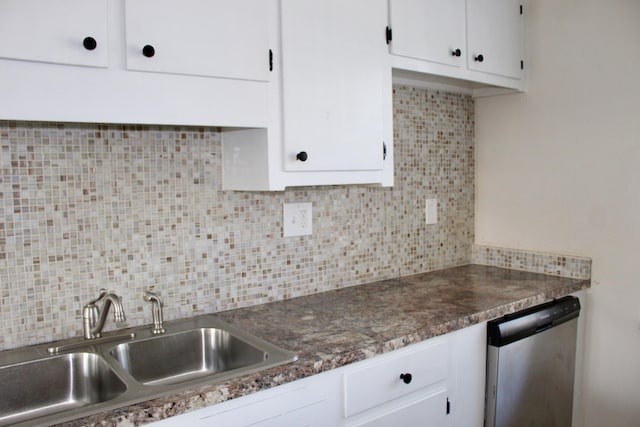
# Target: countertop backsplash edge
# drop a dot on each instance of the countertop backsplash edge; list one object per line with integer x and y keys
{"x": 553, "y": 264}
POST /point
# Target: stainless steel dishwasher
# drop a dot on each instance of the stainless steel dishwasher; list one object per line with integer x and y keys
{"x": 530, "y": 366}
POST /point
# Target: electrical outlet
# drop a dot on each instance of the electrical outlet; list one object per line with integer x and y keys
{"x": 297, "y": 219}
{"x": 431, "y": 211}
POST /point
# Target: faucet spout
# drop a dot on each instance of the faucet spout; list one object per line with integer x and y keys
{"x": 94, "y": 318}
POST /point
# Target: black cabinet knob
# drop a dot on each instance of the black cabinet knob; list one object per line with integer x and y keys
{"x": 478, "y": 58}
{"x": 302, "y": 156}
{"x": 406, "y": 378}
{"x": 456, "y": 52}
{"x": 148, "y": 51}
{"x": 89, "y": 43}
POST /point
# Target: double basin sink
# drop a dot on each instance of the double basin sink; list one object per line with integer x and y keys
{"x": 46, "y": 385}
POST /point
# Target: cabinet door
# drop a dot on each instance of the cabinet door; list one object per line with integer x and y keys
{"x": 430, "y": 30}
{"x": 334, "y": 60}
{"x": 428, "y": 411}
{"x": 54, "y": 31}
{"x": 217, "y": 38}
{"x": 494, "y": 31}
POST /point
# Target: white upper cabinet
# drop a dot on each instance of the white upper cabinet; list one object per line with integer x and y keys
{"x": 330, "y": 115}
{"x": 494, "y": 31}
{"x": 333, "y": 64}
{"x": 430, "y": 30}
{"x": 70, "y": 32}
{"x": 474, "y": 44}
{"x": 217, "y": 38}
{"x": 206, "y": 63}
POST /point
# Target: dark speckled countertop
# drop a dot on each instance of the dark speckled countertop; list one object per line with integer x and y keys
{"x": 335, "y": 328}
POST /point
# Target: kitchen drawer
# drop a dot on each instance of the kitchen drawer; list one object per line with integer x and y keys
{"x": 379, "y": 381}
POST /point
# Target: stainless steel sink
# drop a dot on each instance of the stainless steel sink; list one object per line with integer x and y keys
{"x": 47, "y": 386}
{"x": 183, "y": 356}
{"x": 54, "y": 383}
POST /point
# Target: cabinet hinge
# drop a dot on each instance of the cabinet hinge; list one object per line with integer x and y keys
{"x": 448, "y": 406}
{"x": 521, "y": 9}
{"x": 270, "y": 60}
{"x": 389, "y": 35}
{"x": 522, "y": 65}
{"x": 384, "y": 151}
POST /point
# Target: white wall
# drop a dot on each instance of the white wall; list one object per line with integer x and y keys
{"x": 558, "y": 169}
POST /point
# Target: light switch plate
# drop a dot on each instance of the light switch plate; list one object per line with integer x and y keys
{"x": 297, "y": 219}
{"x": 431, "y": 211}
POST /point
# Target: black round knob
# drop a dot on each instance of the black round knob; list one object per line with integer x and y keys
{"x": 302, "y": 156}
{"x": 456, "y": 52}
{"x": 89, "y": 43}
{"x": 479, "y": 58}
{"x": 148, "y": 51}
{"x": 406, "y": 378}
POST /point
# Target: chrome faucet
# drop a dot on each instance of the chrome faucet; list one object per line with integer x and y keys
{"x": 93, "y": 318}
{"x": 156, "y": 311}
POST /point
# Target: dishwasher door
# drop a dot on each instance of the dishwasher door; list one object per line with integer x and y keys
{"x": 530, "y": 366}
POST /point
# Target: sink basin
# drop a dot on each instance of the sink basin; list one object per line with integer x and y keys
{"x": 52, "y": 383}
{"x": 183, "y": 356}
{"x": 47, "y": 386}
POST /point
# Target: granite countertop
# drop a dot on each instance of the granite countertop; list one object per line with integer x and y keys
{"x": 339, "y": 327}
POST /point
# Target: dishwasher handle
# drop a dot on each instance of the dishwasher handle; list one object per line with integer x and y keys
{"x": 525, "y": 323}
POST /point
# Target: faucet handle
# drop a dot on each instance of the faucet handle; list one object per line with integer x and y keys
{"x": 151, "y": 296}
{"x": 102, "y": 294}
{"x": 156, "y": 311}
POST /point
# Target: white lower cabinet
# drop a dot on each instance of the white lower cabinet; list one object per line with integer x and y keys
{"x": 312, "y": 402}
{"x": 424, "y": 411}
{"x": 417, "y": 371}
{"x": 445, "y": 388}
{"x": 469, "y": 356}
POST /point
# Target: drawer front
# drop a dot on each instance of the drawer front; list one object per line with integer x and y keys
{"x": 378, "y": 381}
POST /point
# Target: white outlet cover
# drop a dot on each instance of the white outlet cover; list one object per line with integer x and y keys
{"x": 431, "y": 211}
{"x": 297, "y": 219}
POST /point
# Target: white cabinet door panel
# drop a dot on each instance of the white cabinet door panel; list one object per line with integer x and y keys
{"x": 214, "y": 38}
{"x": 494, "y": 30}
{"x": 430, "y": 30}
{"x": 333, "y": 56}
{"x": 429, "y": 411}
{"x": 54, "y": 31}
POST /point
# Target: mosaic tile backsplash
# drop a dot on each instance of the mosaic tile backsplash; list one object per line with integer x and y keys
{"x": 128, "y": 208}
{"x": 535, "y": 262}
